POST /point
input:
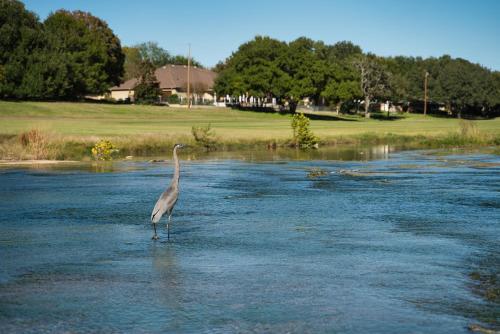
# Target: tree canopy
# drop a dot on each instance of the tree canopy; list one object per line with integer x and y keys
{"x": 92, "y": 53}
{"x": 374, "y": 79}
{"x": 342, "y": 78}
{"x": 69, "y": 55}
{"x": 457, "y": 84}
{"x": 20, "y": 35}
{"x": 331, "y": 75}
{"x": 73, "y": 54}
{"x": 152, "y": 53}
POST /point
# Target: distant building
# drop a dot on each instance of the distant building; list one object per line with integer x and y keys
{"x": 173, "y": 80}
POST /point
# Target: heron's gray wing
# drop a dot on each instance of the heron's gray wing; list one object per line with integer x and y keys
{"x": 164, "y": 204}
{"x": 158, "y": 211}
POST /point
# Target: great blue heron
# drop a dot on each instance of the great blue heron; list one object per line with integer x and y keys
{"x": 168, "y": 198}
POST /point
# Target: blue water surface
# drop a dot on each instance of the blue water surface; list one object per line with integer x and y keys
{"x": 388, "y": 245}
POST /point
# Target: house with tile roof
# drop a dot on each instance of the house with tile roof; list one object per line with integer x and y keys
{"x": 173, "y": 80}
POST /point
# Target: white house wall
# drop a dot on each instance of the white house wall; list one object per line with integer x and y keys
{"x": 122, "y": 94}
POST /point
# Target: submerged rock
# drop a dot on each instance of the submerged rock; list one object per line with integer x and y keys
{"x": 478, "y": 329}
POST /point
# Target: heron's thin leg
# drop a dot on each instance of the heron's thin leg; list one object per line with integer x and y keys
{"x": 155, "y": 237}
{"x": 168, "y": 227}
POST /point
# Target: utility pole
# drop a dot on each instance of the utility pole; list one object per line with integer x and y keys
{"x": 189, "y": 78}
{"x": 425, "y": 92}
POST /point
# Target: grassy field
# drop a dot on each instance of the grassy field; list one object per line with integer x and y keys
{"x": 83, "y": 119}
{"x": 85, "y": 122}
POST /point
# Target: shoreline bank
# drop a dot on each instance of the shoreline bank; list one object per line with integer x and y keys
{"x": 71, "y": 149}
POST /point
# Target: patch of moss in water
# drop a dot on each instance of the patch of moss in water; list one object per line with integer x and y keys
{"x": 486, "y": 285}
{"x": 316, "y": 172}
{"x": 303, "y": 229}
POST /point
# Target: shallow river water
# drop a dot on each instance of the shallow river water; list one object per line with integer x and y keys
{"x": 359, "y": 241}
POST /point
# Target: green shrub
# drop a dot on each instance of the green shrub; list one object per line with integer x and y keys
{"x": 302, "y": 135}
{"x": 173, "y": 99}
{"x": 147, "y": 90}
{"x": 104, "y": 150}
{"x": 204, "y": 136}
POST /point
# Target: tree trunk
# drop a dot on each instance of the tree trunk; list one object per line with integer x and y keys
{"x": 292, "y": 105}
{"x": 337, "y": 107}
{"x": 367, "y": 106}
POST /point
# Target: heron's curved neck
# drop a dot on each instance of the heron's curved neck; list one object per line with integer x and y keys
{"x": 175, "y": 178}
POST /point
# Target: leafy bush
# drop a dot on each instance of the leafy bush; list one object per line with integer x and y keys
{"x": 103, "y": 150}
{"x": 204, "y": 136}
{"x": 173, "y": 99}
{"x": 302, "y": 135}
{"x": 147, "y": 91}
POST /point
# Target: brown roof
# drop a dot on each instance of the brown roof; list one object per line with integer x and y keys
{"x": 175, "y": 76}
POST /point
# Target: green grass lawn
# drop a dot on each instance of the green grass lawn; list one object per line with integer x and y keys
{"x": 86, "y": 119}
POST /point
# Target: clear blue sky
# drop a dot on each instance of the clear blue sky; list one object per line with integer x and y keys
{"x": 466, "y": 29}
